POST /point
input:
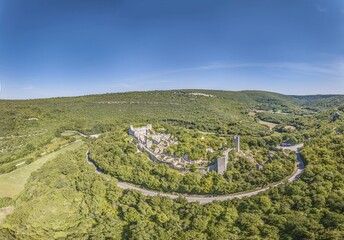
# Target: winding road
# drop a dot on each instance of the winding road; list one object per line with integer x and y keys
{"x": 203, "y": 199}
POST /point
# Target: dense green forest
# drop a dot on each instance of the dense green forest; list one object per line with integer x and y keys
{"x": 71, "y": 201}
{"x": 67, "y": 199}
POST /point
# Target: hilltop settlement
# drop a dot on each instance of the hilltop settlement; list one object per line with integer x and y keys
{"x": 154, "y": 144}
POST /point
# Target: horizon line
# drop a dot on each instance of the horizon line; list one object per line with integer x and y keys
{"x": 166, "y": 90}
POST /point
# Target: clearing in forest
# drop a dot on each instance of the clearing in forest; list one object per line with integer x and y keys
{"x": 13, "y": 182}
{"x": 4, "y": 212}
{"x": 271, "y": 125}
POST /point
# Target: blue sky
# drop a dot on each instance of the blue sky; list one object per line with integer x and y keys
{"x": 76, "y": 47}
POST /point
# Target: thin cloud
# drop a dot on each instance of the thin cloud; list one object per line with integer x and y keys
{"x": 28, "y": 88}
{"x": 123, "y": 85}
{"x": 304, "y": 67}
{"x": 334, "y": 71}
{"x": 321, "y": 9}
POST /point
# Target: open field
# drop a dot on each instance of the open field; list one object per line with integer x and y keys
{"x": 290, "y": 127}
{"x": 68, "y": 134}
{"x": 47, "y": 147}
{"x": 269, "y": 124}
{"x": 13, "y": 182}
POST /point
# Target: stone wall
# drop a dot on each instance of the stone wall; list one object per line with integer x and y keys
{"x": 144, "y": 145}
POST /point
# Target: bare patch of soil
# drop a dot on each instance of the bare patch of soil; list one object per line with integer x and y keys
{"x": 4, "y": 212}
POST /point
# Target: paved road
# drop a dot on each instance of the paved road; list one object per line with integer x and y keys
{"x": 192, "y": 198}
{"x": 299, "y": 163}
{"x": 209, "y": 198}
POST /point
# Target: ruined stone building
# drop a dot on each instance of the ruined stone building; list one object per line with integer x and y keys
{"x": 147, "y": 138}
{"x": 237, "y": 143}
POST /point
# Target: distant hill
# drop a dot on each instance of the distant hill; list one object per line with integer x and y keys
{"x": 191, "y": 106}
{"x": 321, "y": 102}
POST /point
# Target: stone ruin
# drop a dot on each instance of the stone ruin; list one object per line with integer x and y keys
{"x": 147, "y": 140}
{"x": 221, "y": 163}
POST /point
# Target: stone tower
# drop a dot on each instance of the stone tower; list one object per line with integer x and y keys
{"x": 237, "y": 143}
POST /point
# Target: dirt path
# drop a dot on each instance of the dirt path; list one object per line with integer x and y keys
{"x": 209, "y": 198}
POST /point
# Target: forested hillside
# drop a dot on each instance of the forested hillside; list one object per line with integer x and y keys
{"x": 29, "y": 125}
{"x": 67, "y": 199}
{"x": 71, "y": 201}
